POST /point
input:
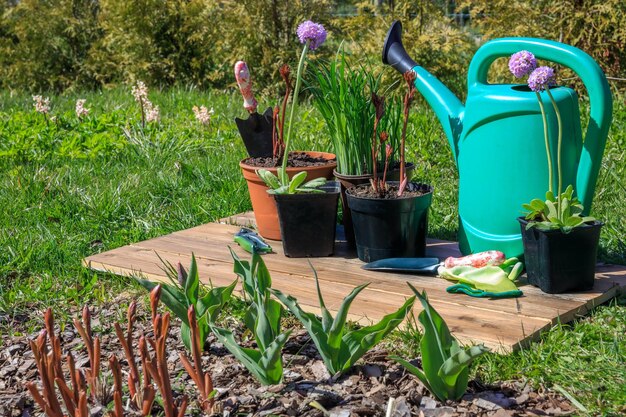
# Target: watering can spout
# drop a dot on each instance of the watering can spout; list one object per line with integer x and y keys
{"x": 447, "y": 107}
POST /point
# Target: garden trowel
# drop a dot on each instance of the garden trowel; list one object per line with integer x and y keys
{"x": 256, "y": 130}
{"x": 427, "y": 266}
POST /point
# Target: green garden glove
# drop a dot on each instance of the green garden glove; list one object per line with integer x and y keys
{"x": 473, "y": 292}
{"x": 488, "y": 281}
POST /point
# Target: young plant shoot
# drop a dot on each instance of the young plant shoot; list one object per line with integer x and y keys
{"x": 263, "y": 319}
{"x": 445, "y": 363}
{"x": 339, "y": 346}
{"x": 184, "y": 292}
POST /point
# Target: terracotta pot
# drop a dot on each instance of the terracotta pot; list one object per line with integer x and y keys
{"x": 263, "y": 204}
{"x": 349, "y": 181}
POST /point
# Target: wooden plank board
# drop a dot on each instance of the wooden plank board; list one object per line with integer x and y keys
{"x": 503, "y": 325}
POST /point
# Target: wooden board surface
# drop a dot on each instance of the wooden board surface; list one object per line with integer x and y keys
{"x": 503, "y": 325}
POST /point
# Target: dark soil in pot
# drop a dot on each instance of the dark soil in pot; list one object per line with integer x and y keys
{"x": 389, "y": 226}
{"x": 349, "y": 181}
{"x": 308, "y": 222}
{"x": 296, "y": 159}
{"x": 558, "y": 262}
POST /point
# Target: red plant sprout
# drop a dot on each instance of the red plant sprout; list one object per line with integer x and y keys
{"x": 275, "y": 135}
{"x": 379, "y": 107}
{"x": 118, "y": 407}
{"x": 203, "y": 381}
{"x": 50, "y": 372}
{"x": 388, "y": 151}
{"x": 409, "y": 78}
{"x": 93, "y": 350}
{"x": 279, "y": 143}
{"x": 141, "y": 395}
{"x": 58, "y": 398}
{"x": 157, "y": 364}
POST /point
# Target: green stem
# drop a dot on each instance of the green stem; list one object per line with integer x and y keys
{"x": 558, "y": 155}
{"x": 547, "y": 140}
{"x": 294, "y": 104}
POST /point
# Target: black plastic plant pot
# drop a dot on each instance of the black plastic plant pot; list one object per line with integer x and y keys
{"x": 558, "y": 262}
{"x": 349, "y": 181}
{"x": 308, "y": 222}
{"x": 391, "y": 228}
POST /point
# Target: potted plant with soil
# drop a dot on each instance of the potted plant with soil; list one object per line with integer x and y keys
{"x": 390, "y": 218}
{"x": 344, "y": 95}
{"x": 315, "y": 164}
{"x": 307, "y": 212}
{"x": 560, "y": 244}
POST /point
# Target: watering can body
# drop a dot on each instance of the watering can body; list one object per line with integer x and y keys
{"x": 497, "y": 137}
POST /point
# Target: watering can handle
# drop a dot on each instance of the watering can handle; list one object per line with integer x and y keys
{"x": 595, "y": 82}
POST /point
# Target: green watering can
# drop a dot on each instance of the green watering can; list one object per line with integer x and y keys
{"x": 497, "y": 138}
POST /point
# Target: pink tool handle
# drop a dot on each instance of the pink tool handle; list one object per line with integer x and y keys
{"x": 245, "y": 86}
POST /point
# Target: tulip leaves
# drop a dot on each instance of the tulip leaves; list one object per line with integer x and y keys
{"x": 184, "y": 291}
{"x": 338, "y": 346}
{"x": 263, "y": 318}
{"x": 445, "y": 363}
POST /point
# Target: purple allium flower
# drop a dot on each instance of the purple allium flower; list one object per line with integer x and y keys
{"x": 312, "y": 32}
{"x": 541, "y": 79}
{"x": 522, "y": 63}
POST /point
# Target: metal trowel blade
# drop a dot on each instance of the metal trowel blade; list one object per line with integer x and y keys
{"x": 407, "y": 265}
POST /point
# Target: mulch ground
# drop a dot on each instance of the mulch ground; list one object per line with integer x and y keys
{"x": 365, "y": 391}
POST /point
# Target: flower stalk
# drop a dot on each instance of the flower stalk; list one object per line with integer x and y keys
{"x": 379, "y": 106}
{"x": 294, "y": 103}
{"x": 547, "y": 141}
{"x": 559, "y": 141}
{"x": 409, "y": 78}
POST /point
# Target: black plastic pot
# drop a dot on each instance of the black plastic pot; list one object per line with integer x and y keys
{"x": 557, "y": 262}
{"x": 346, "y": 182}
{"x": 390, "y": 228}
{"x": 349, "y": 181}
{"x": 308, "y": 222}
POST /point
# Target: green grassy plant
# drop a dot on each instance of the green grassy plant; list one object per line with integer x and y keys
{"x": 339, "y": 346}
{"x": 342, "y": 95}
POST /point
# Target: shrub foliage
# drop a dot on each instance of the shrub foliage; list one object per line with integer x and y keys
{"x": 595, "y": 26}
{"x": 61, "y": 44}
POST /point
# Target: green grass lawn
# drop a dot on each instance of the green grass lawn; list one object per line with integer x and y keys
{"x": 69, "y": 189}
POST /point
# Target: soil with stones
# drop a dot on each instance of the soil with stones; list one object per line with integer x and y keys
{"x": 307, "y": 387}
{"x": 390, "y": 192}
{"x": 296, "y": 160}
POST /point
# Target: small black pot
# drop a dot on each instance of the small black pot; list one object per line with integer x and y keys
{"x": 308, "y": 222}
{"x": 390, "y": 228}
{"x": 349, "y": 181}
{"x": 557, "y": 262}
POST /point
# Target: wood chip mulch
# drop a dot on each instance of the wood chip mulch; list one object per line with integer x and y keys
{"x": 365, "y": 391}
